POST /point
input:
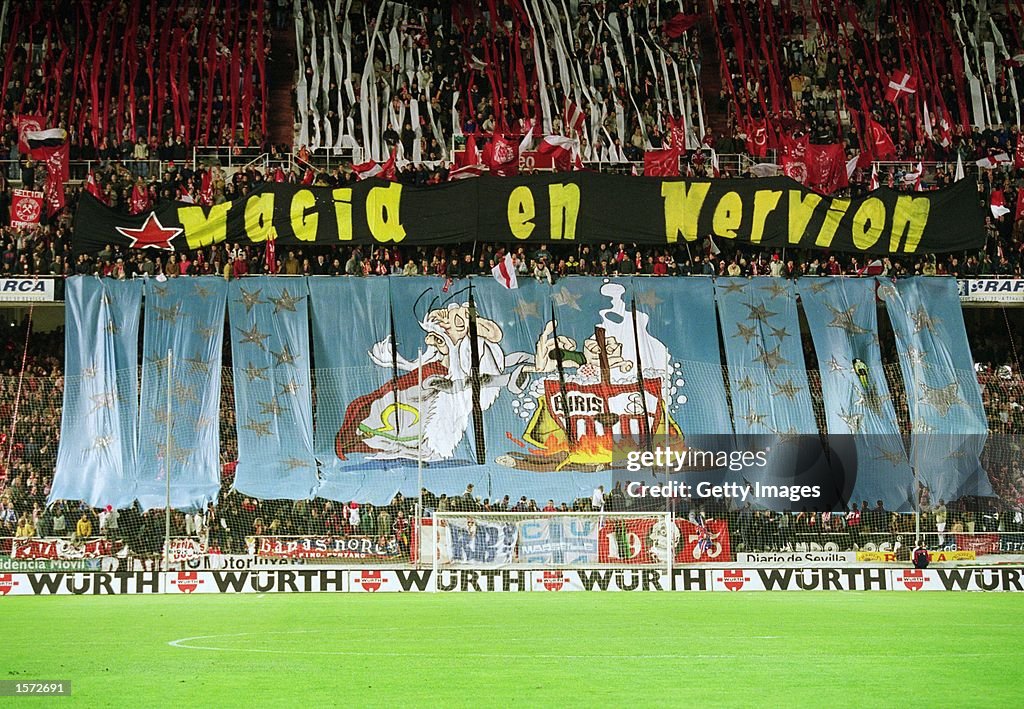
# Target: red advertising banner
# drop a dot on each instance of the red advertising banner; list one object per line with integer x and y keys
{"x": 641, "y": 541}
{"x": 528, "y": 161}
{"x": 60, "y": 549}
{"x": 26, "y": 208}
{"x": 326, "y": 548}
{"x": 978, "y": 543}
{"x": 703, "y": 542}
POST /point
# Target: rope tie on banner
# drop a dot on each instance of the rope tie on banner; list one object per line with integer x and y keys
{"x": 21, "y": 380}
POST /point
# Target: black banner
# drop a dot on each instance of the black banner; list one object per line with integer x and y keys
{"x": 577, "y": 207}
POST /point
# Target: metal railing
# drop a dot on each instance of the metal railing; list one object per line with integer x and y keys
{"x": 80, "y": 169}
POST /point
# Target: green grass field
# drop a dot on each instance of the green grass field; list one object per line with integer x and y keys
{"x": 578, "y": 649}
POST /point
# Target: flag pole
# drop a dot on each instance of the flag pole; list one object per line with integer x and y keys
{"x": 167, "y": 471}
{"x": 419, "y": 450}
{"x": 669, "y": 551}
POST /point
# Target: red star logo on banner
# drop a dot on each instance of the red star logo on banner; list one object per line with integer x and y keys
{"x": 152, "y": 235}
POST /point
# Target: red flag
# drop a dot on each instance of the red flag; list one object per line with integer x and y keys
{"x": 27, "y": 208}
{"x": 308, "y": 178}
{"x": 139, "y": 200}
{"x": 1018, "y": 155}
{"x": 470, "y": 156}
{"x": 881, "y": 145}
{"x": 661, "y": 163}
{"x": 279, "y": 175}
{"x": 793, "y": 146}
{"x": 54, "y": 190}
{"x": 1019, "y": 216}
{"x": 56, "y": 174}
{"x": 757, "y": 138}
{"x": 794, "y": 169}
{"x": 270, "y": 256}
{"x": 676, "y": 25}
{"x": 826, "y": 168}
{"x": 94, "y": 189}
{"x": 502, "y": 157}
{"x": 901, "y": 82}
{"x": 27, "y": 124}
{"x": 677, "y": 132}
{"x": 206, "y": 190}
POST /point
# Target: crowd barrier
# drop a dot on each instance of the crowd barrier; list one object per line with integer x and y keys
{"x": 335, "y": 580}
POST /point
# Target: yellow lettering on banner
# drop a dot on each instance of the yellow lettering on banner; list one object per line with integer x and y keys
{"x": 304, "y": 216}
{"x": 833, "y": 216}
{"x": 910, "y": 217}
{"x": 868, "y": 223}
{"x": 259, "y": 213}
{"x": 520, "y": 212}
{"x": 765, "y": 202}
{"x": 565, "y": 208}
{"x": 204, "y": 229}
{"x": 728, "y": 215}
{"x": 682, "y": 208}
{"x": 343, "y": 212}
{"x": 382, "y": 213}
{"x": 801, "y": 209}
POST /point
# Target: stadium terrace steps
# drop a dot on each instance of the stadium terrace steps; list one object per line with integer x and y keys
{"x": 281, "y": 68}
{"x": 711, "y": 77}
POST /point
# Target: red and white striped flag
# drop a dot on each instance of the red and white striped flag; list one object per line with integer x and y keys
{"x": 990, "y": 162}
{"x": 914, "y": 177}
{"x": 573, "y": 117}
{"x": 505, "y": 273}
{"x": 564, "y": 152}
{"x": 873, "y": 185}
{"x": 371, "y": 168}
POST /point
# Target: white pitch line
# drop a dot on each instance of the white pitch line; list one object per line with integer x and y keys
{"x": 181, "y": 643}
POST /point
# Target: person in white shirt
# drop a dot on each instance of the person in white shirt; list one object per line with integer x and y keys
{"x": 597, "y": 501}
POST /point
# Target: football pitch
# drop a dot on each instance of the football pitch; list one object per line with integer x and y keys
{"x": 573, "y": 649}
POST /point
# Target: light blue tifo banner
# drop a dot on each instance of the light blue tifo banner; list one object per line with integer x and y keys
{"x": 528, "y": 451}
{"x": 680, "y": 313}
{"x": 771, "y": 402}
{"x": 352, "y": 350}
{"x": 948, "y": 422}
{"x": 864, "y": 437}
{"x": 96, "y": 458}
{"x": 269, "y": 321}
{"x": 185, "y": 317}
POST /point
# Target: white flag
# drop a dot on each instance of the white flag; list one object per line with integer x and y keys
{"x": 851, "y": 166}
{"x": 505, "y": 273}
